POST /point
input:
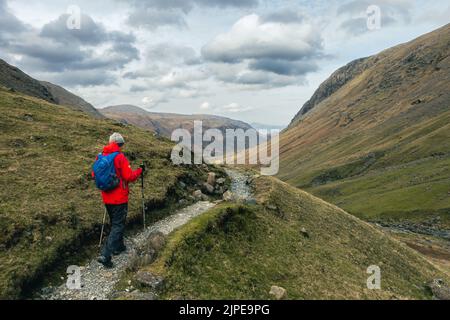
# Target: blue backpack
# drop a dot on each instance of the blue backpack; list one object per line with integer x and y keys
{"x": 105, "y": 172}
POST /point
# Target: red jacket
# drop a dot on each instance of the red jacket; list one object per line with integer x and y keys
{"x": 119, "y": 195}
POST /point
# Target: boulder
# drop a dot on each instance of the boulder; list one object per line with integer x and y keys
{"x": 221, "y": 181}
{"x": 149, "y": 280}
{"x": 211, "y": 179}
{"x": 208, "y": 188}
{"x": 278, "y": 293}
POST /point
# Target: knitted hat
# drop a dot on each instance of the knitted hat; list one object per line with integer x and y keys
{"x": 117, "y": 138}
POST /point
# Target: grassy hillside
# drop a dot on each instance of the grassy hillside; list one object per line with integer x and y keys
{"x": 378, "y": 143}
{"x": 48, "y": 201}
{"x": 290, "y": 239}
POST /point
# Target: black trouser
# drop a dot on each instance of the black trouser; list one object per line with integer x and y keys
{"x": 117, "y": 217}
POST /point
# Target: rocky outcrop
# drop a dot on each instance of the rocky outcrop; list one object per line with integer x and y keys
{"x": 336, "y": 81}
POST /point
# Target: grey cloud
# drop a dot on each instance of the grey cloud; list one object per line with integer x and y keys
{"x": 284, "y": 16}
{"x": 358, "y": 26}
{"x": 153, "y": 19}
{"x": 8, "y": 22}
{"x": 188, "y": 5}
{"x": 283, "y": 67}
{"x": 65, "y": 55}
{"x": 83, "y": 78}
{"x": 152, "y": 14}
{"x": 138, "y": 88}
{"x": 173, "y": 54}
{"x": 266, "y": 53}
{"x": 90, "y": 33}
{"x": 392, "y": 12}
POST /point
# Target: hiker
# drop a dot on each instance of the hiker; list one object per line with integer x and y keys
{"x": 115, "y": 190}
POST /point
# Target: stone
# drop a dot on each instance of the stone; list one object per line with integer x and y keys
{"x": 441, "y": 291}
{"x": 228, "y": 196}
{"x": 182, "y": 184}
{"x": 49, "y": 239}
{"x": 198, "y": 194}
{"x": 304, "y": 232}
{"x": 278, "y": 293}
{"x": 208, "y": 188}
{"x": 211, "y": 179}
{"x": 205, "y": 197}
{"x": 156, "y": 241}
{"x": 149, "y": 280}
{"x": 221, "y": 181}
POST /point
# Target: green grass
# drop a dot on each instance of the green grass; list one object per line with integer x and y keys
{"x": 238, "y": 252}
{"x": 48, "y": 202}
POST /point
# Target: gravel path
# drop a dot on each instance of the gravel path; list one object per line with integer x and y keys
{"x": 97, "y": 283}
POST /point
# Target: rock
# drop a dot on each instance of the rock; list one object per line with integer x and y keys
{"x": 304, "y": 233}
{"x": 211, "y": 179}
{"x": 251, "y": 201}
{"x": 135, "y": 295}
{"x": 221, "y": 181}
{"x": 157, "y": 241}
{"x": 147, "y": 279}
{"x": 49, "y": 239}
{"x": 28, "y": 117}
{"x": 441, "y": 291}
{"x": 182, "y": 184}
{"x": 205, "y": 197}
{"x": 272, "y": 207}
{"x": 228, "y": 196}
{"x": 182, "y": 201}
{"x": 219, "y": 190}
{"x": 278, "y": 293}
{"x": 198, "y": 194}
{"x": 209, "y": 189}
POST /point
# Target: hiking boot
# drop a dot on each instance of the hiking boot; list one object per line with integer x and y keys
{"x": 119, "y": 251}
{"x": 107, "y": 263}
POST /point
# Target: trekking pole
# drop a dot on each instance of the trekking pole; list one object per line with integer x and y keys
{"x": 143, "y": 199}
{"x": 103, "y": 226}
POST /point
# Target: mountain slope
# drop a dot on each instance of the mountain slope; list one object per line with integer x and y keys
{"x": 13, "y": 78}
{"x": 66, "y": 98}
{"x": 290, "y": 239}
{"x": 165, "y": 123}
{"x": 377, "y": 142}
{"x": 49, "y": 205}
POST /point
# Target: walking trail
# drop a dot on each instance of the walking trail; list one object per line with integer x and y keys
{"x": 97, "y": 283}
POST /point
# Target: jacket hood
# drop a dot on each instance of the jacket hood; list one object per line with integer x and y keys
{"x": 111, "y": 148}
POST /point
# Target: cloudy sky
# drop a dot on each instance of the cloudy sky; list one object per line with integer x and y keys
{"x": 254, "y": 60}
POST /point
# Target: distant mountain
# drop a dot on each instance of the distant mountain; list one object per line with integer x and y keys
{"x": 374, "y": 138}
{"x": 165, "y": 123}
{"x": 16, "y": 80}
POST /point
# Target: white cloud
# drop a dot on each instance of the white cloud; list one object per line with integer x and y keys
{"x": 205, "y": 106}
{"x": 234, "y": 108}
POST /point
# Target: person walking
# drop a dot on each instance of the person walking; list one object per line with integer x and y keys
{"x": 115, "y": 190}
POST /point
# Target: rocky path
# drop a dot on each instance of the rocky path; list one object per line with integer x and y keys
{"x": 97, "y": 283}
